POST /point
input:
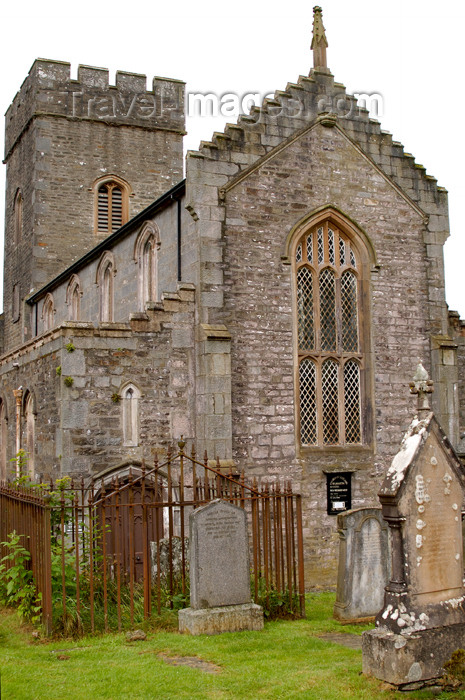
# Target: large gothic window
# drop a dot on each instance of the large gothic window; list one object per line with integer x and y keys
{"x": 330, "y": 353}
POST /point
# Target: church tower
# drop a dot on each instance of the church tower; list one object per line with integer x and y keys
{"x": 82, "y": 158}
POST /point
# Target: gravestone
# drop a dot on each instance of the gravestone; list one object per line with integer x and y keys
{"x": 220, "y": 599}
{"x": 364, "y": 564}
{"x": 423, "y": 617}
{"x": 170, "y": 555}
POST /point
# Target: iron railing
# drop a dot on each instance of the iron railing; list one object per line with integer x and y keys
{"x": 111, "y": 552}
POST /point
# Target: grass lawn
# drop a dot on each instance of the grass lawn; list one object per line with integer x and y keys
{"x": 287, "y": 660}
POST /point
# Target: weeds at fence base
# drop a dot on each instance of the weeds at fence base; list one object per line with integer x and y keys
{"x": 17, "y": 587}
{"x": 277, "y": 604}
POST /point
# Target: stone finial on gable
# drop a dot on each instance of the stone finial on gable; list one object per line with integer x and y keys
{"x": 422, "y": 385}
{"x": 319, "y": 41}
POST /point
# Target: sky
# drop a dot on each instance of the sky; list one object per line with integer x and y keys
{"x": 409, "y": 52}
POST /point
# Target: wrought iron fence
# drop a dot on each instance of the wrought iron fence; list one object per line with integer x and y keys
{"x": 108, "y": 554}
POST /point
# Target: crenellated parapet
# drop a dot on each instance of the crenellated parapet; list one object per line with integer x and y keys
{"x": 49, "y": 90}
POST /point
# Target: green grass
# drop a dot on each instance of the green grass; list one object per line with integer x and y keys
{"x": 287, "y": 660}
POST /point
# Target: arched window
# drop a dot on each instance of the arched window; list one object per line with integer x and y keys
{"x": 328, "y": 270}
{"x": 105, "y": 273}
{"x": 18, "y": 217}
{"x": 29, "y": 414}
{"x": 73, "y": 298}
{"x": 48, "y": 313}
{"x": 111, "y": 204}
{"x": 16, "y": 311}
{"x": 146, "y": 257}
{"x": 130, "y": 414}
{"x": 3, "y": 441}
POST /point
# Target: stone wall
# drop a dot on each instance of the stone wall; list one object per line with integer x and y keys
{"x": 457, "y": 333}
{"x": 247, "y": 190}
{"x": 78, "y": 427}
{"x": 127, "y": 273}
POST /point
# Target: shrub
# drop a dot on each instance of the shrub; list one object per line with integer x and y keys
{"x": 17, "y": 587}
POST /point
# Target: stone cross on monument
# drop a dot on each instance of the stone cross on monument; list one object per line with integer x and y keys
{"x": 422, "y": 385}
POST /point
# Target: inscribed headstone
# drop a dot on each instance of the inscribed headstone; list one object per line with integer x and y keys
{"x": 219, "y": 561}
{"x": 364, "y": 563}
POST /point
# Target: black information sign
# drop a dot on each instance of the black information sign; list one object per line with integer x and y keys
{"x": 339, "y": 492}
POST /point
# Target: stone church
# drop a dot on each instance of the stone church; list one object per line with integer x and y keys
{"x": 271, "y": 307}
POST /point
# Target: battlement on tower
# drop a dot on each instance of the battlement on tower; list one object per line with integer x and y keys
{"x": 49, "y": 90}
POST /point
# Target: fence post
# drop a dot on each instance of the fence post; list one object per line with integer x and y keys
{"x": 47, "y": 609}
{"x": 300, "y": 553}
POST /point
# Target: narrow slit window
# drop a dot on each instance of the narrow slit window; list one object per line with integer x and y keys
{"x": 130, "y": 408}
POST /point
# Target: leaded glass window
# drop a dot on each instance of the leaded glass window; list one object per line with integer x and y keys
{"x": 307, "y": 382}
{"x": 349, "y": 311}
{"x": 329, "y": 353}
{"x": 305, "y": 308}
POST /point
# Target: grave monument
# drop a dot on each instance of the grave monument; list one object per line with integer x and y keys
{"x": 220, "y": 599}
{"x": 364, "y": 564}
{"x": 423, "y": 617}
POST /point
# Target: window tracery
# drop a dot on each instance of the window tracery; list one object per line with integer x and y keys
{"x": 330, "y": 356}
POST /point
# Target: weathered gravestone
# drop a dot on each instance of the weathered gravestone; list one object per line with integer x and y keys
{"x": 364, "y": 564}
{"x": 219, "y": 573}
{"x": 169, "y": 554}
{"x": 423, "y": 618}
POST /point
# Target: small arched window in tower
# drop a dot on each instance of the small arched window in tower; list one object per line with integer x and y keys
{"x": 3, "y": 442}
{"x": 330, "y": 343}
{"x": 18, "y": 217}
{"x": 105, "y": 273}
{"x": 130, "y": 409}
{"x": 111, "y": 204}
{"x": 16, "y": 311}
{"x": 48, "y": 313}
{"x": 73, "y": 298}
{"x": 29, "y": 414}
{"x": 146, "y": 257}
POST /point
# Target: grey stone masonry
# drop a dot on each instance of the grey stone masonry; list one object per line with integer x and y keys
{"x": 248, "y": 191}
{"x": 62, "y": 135}
{"x": 76, "y": 374}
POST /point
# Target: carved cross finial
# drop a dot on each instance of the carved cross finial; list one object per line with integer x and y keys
{"x": 319, "y": 41}
{"x": 422, "y": 385}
